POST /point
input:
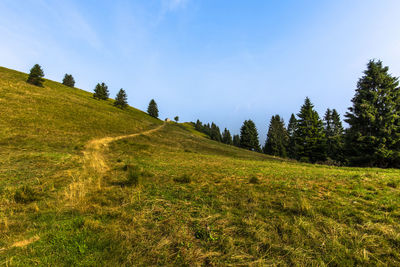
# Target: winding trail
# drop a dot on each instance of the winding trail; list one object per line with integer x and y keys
{"x": 93, "y": 159}
{"x": 93, "y": 154}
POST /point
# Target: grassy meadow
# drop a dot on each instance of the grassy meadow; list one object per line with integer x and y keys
{"x": 172, "y": 197}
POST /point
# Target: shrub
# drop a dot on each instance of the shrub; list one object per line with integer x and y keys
{"x": 184, "y": 179}
{"x": 25, "y": 194}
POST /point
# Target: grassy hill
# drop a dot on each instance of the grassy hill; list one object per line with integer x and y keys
{"x": 72, "y": 193}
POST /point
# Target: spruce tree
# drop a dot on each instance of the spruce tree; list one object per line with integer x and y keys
{"x": 309, "y": 136}
{"x": 36, "y": 76}
{"x": 291, "y": 130}
{"x": 101, "y": 91}
{"x": 334, "y": 135}
{"x": 152, "y": 109}
{"x": 277, "y": 138}
{"x": 226, "y": 137}
{"x": 215, "y": 133}
{"x": 236, "y": 140}
{"x": 121, "y": 100}
{"x": 69, "y": 80}
{"x": 198, "y": 126}
{"x": 373, "y": 138}
{"x": 249, "y": 136}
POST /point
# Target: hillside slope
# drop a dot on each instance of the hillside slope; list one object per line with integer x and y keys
{"x": 169, "y": 196}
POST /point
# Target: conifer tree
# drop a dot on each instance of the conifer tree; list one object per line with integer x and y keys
{"x": 277, "y": 138}
{"x": 291, "y": 130}
{"x": 101, "y": 91}
{"x": 198, "y": 126}
{"x": 226, "y": 137}
{"x": 249, "y": 136}
{"x": 36, "y": 76}
{"x": 215, "y": 133}
{"x": 373, "y": 138}
{"x": 334, "y": 135}
{"x": 121, "y": 100}
{"x": 69, "y": 80}
{"x": 236, "y": 140}
{"x": 152, "y": 109}
{"x": 309, "y": 136}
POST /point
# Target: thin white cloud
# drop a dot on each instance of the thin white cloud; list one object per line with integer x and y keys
{"x": 172, "y": 5}
{"x": 68, "y": 15}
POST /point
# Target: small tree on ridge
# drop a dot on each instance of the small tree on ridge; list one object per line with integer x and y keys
{"x": 36, "y": 76}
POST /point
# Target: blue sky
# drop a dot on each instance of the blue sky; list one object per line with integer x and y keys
{"x": 222, "y": 61}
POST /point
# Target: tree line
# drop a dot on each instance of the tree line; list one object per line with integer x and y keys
{"x": 372, "y": 138}
{"x": 101, "y": 92}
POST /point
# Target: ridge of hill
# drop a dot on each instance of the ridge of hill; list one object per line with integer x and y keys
{"x": 169, "y": 196}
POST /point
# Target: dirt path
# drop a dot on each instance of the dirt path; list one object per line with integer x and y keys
{"x": 94, "y": 160}
{"x": 93, "y": 153}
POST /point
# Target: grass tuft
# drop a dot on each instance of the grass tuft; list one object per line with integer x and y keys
{"x": 184, "y": 179}
{"x": 254, "y": 180}
{"x": 133, "y": 176}
{"x": 25, "y": 194}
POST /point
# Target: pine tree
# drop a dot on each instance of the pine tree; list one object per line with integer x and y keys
{"x": 334, "y": 135}
{"x": 277, "y": 138}
{"x": 176, "y": 119}
{"x": 215, "y": 133}
{"x": 101, "y": 91}
{"x": 226, "y": 137}
{"x": 373, "y": 138}
{"x": 36, "y": 76}
{"x": 309, "y": 136}
{"x": 236, "y": 140}
{"x": 198, "y": 126}
{"x": 121, "y": 100}
{"x": 291, "y": 130}
{"x": 249, "y": 136}
{"x": 69, "y": 80}
{"x": 152, "y": 109}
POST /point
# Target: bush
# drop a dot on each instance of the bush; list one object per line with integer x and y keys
{"x": 25, "y": 194}
{"x": 184, "y": 179}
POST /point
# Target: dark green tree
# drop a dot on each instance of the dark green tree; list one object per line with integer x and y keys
{"x": 249, "y": 136}
{"x": 236, "y": 140}
{"x": 334, "y": 134}
{"x": 373, "y": 138}
{"x": 69, "y": 80}
{"x": 101, "y": 91}
{"x": 152, "y": 109}
{"x": 291, "y": 130}
{"x": 176, "y": 118}
{"x": 277, "y": 138}
{"x": 226, "y": 137}
{"x": 121, "y": 100}
{"x": 215, "y": 133}
{"x": 309, "y": 136}
{"x": 36, "y": 75}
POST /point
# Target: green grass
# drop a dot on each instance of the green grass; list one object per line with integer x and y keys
{"x": 173, "y": 197}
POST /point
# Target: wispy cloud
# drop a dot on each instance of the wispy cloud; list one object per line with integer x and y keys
{"x": 172, "y": 5}
{"x": 69, "y": 17}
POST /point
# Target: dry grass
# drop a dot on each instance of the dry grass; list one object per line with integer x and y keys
{"x": 238, "y": 208}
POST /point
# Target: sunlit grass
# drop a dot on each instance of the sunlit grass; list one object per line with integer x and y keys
{"x": 173, "y": 197}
